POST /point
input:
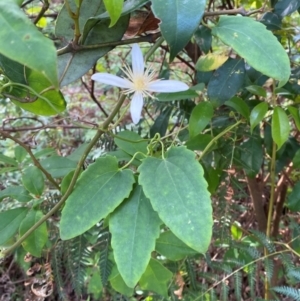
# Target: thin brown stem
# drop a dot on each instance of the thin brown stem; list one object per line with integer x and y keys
{"x": 35, "y": 161}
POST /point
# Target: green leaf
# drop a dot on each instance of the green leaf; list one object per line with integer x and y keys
{"x": 25, "y": 44}
{"x": 200, "y": 118}
{"x": 35, "y": 242}
{"x": 296, "y": 116}
{"x": 226, "y": 81}
{"x": 8, "y": 160}
{"x": 203, "y": 38}
{"x": 134, "y": 227}
{"x": 179, "y": 20}
{"x": 72, "y": 66}
{"x": 128, "y": 7}
{"x": 177, "y": 191}
{"x": 286, "y": 7}
{"x": 58, "y": 166}
{"x": 156, "y": 278}
{"x": 293, "y": 200}
{"x": 280, "y": 127}
{"x": 258, "y": 46}
{"x": 15, "y": 192}
{"x": 257, "y": 114}
{"x": 49, "y": 102}
{"x": 10, "y": 221}
{"x": 131, "y": 143}
{"x": 296, "y": 160}
{"x": 188, "y": 94}
{"x": 172, "y": 248}
{"x": 257, "y": 90}
{"x": 118, "y": 284}
{"x": 252, "y": 156}
{"x": 33, "y": 180}
{"x": 99, "y": 190}
{"x": 236, "y": 231}
{"x": 161, "y": 122}
{"x": 199, "y": 142}
{"x": 20, "y": 153}
{"x": 239, "y": 105}
{"x": 114, "y": 9}
{"x": 210, "y": 62}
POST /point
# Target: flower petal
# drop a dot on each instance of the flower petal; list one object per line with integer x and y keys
{"x": 136, "y": 107}
{"x": 138, "y": 65}
{"x": 167, "y": 86}
{"x": 113, "y": 80}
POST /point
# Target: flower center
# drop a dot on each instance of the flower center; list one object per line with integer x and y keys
{"x": 139, "y": 83}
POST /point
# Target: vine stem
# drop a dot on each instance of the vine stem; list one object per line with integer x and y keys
{"x": 217, "y": 137}
{"x": 99, "y": 133}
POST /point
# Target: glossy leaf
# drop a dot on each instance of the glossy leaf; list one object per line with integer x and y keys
{"x": 226, "y": 81}
{"x": 188, "y": 94}
{"x": 18, "y": 193}
{"x": 58, "y": 166}
{"x": 95, "y": 196}
{"x": 33, "y": 180}
{"x": 203, "y": 38}
{"x": 72, "y": 66}
{"x": 199, "y": 142}
{"x": 296, "y": 115}
{"x": 114, "y": 9}
{"x": 257, "y": 114}
{"x": 48, "y": 101}
{"x": 131, "y": 143}
{"x": 134, "y": 227}
{"x": 35, "y": 242}
{"x": 156, "y": 278}
{"x": 271, "y": 21}
{"x": 172, "y": 248}
{"x": 128, "y": 7}
{"x": 293, "y": 200}
{"x": 257, "y": 90}
{"x": 161, "y": 123}
{"x": 296, "y": 160}
{"x": 210, "y": 62}
{"x": 286, "y": 7}
{"x": 185, "y": 209}
{"x": 258, "y": 46}
{"x": 280, "y": 127}
{"x": 239, "y": 105}
{"x": 10, "y": 221}
{"x": 179, "y": 20}
{"x": 252, "y": 156}
{"x": 200, "y": 118}
{"x": 21, "y": 38}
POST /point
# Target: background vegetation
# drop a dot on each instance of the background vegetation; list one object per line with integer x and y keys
{"x": 198, "y": 201}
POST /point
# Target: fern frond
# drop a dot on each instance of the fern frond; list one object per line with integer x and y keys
{"x": 288, "y": 291}
{"x": 252, "y": 279}
{"x": 58, "y": 269}
{"x": 238, "y": 285}
{"x": 224, "y": 291}
{"x": 105, "y": 264}
{"x": 191, "y": 273}
{"x": 269, "y": 268}
{"x": 294, "y": 274}
{"x": 77, "y": 257}
{"x": 253, "y": 252}
{"x": 264, "y": 240}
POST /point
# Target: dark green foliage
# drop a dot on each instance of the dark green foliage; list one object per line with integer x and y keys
{"x": 288, "y": 291}
{"x": 105, "y": 263}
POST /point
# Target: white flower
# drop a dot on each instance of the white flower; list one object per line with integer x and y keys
{"x": 140, "y": 82}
